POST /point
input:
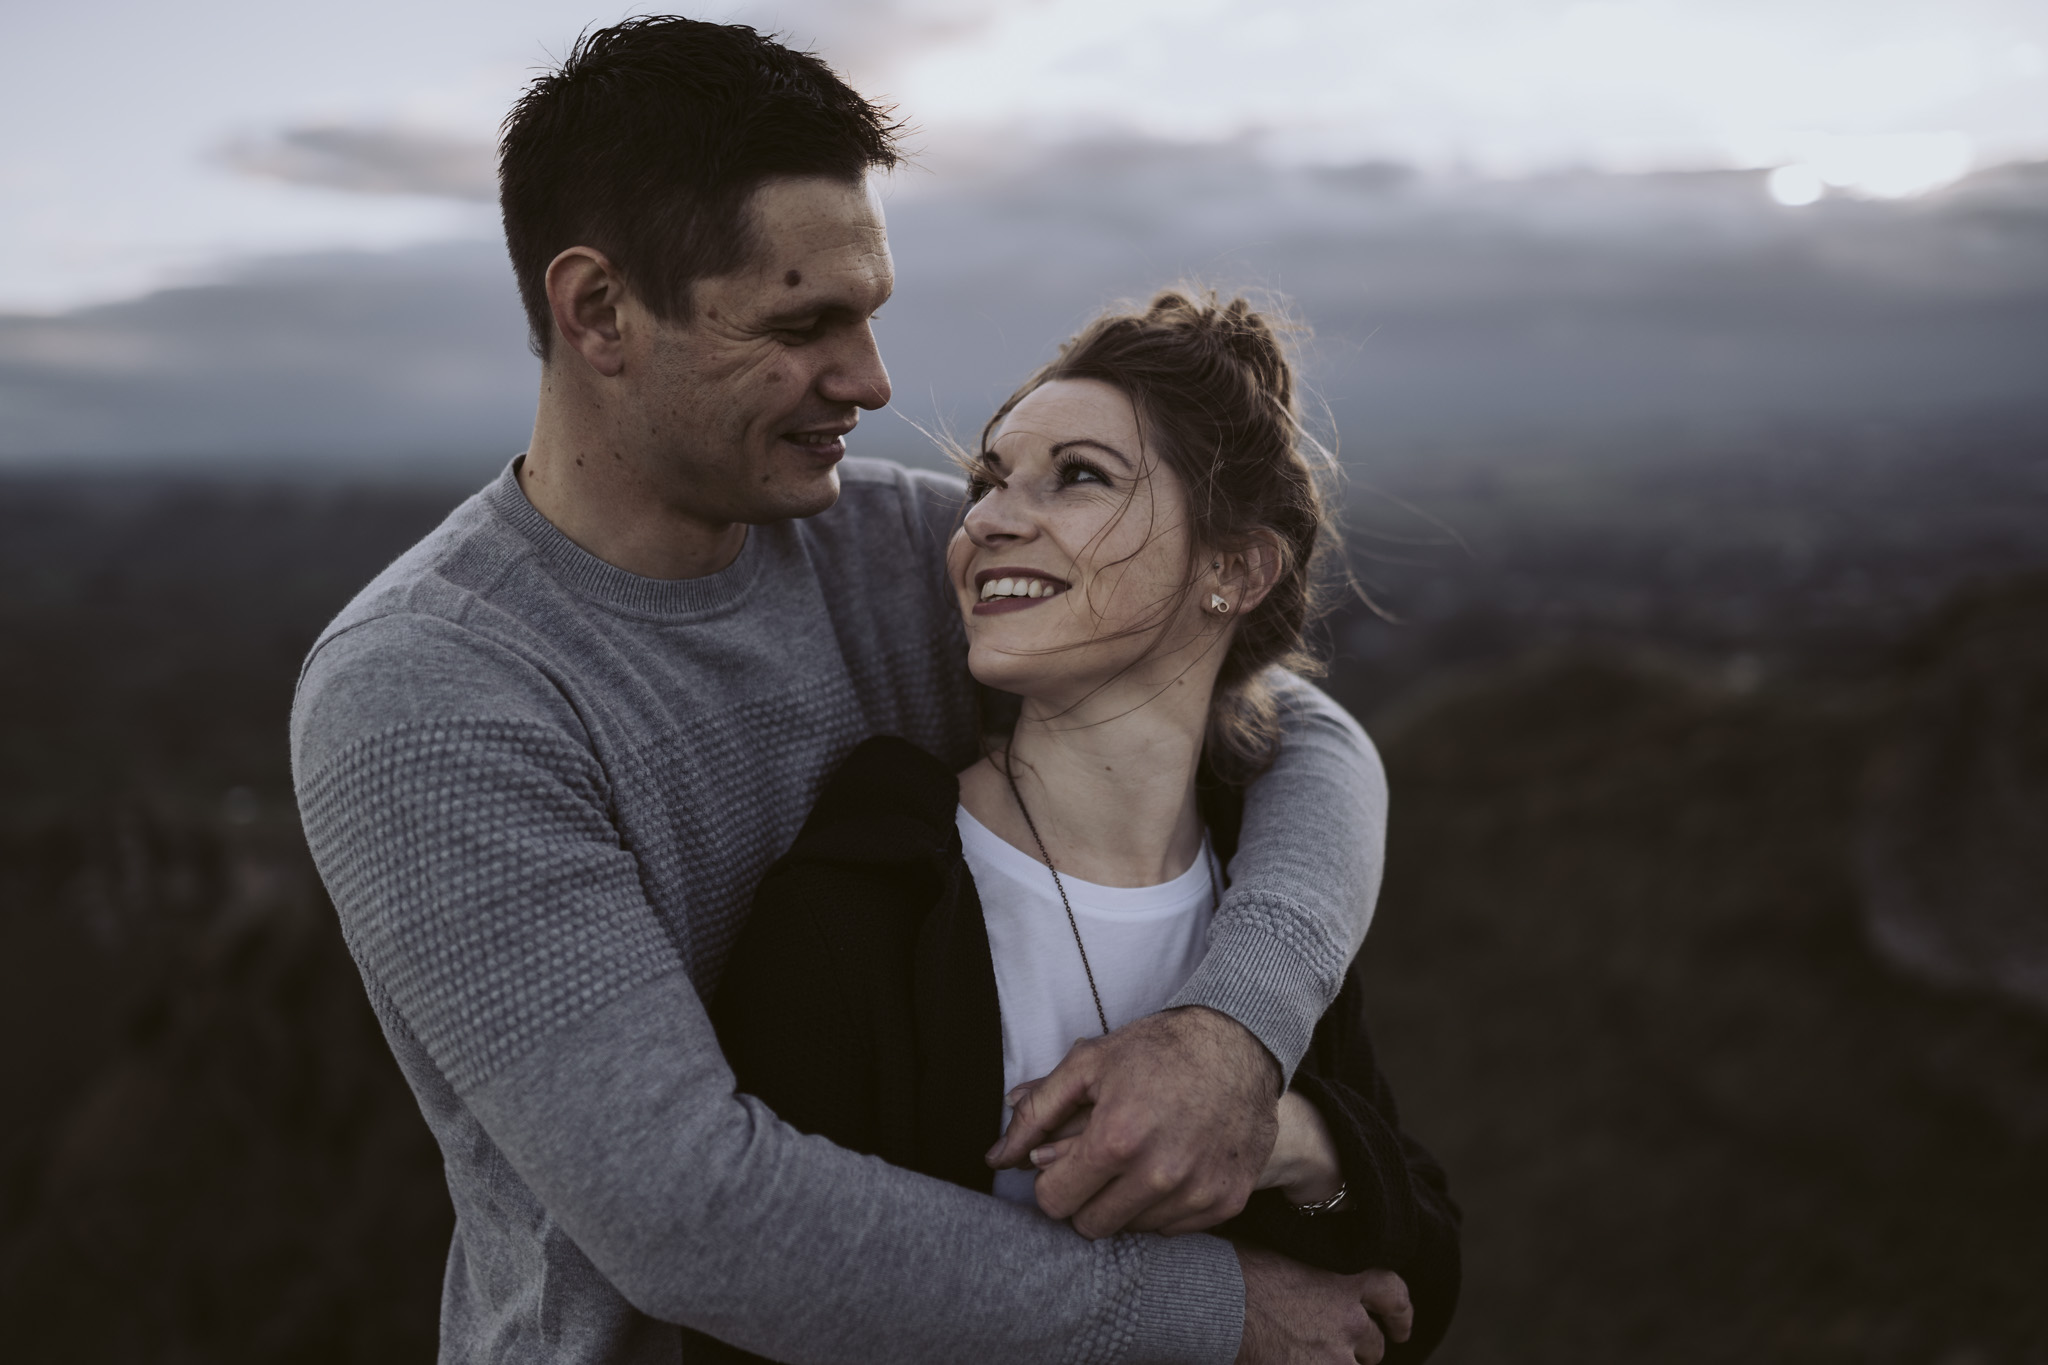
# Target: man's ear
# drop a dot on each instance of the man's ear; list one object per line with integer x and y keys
{"x": 1253, "y": 568}
{"x": 584, "y": 294}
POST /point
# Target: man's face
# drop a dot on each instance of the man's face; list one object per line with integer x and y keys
{"x": 747, "y": 405}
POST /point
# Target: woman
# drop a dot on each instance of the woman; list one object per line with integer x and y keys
{"x": 1138, "y": 553}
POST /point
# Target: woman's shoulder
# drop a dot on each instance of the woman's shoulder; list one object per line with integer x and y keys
{"x": 877, "y": 854}
{"x": 887, "y": 801}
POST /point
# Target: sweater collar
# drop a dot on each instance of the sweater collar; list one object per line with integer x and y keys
{"x": 590, "y": 577}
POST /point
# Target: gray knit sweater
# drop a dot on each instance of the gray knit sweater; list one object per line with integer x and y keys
{"x": 541, "y": 790}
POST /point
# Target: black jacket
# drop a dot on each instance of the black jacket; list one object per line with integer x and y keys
{"x": 860, "y": 1003}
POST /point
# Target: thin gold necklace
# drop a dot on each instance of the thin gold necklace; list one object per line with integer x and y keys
{"x": 1215, "y": 890}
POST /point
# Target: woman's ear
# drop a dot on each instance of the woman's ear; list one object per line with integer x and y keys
{"x": 1250, "y": 571}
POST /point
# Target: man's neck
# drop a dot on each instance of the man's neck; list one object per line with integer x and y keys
{"x": 1113, "y": 798}
{"x": 608, "y": 506}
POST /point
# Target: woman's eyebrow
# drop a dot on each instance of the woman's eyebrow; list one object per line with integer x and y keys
{"x": 1121, "y": 458}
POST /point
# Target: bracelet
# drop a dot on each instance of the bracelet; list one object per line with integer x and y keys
{"x": 1321, "y": 1205}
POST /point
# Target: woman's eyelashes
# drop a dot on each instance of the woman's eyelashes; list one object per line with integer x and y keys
{"x": 1069, "y": 471}
{"x": 984, "y": 479}
{"x": 1073, "y": 469}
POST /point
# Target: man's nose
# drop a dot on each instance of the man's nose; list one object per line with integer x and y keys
{"x": 857, "y": 375}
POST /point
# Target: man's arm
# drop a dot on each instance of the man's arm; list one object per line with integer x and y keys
{"x": 1305, "y": 878}
{"x": 466, "y": 839}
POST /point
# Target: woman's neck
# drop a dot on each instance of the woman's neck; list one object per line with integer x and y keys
{"x": 1113, "y": 798}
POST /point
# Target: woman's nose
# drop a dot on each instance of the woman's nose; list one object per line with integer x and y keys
{"x": 997, "y": 518}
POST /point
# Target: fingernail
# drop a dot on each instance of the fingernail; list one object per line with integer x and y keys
{"x": 1041, "y": 1155}
{"x": 1015, "y": 1095}
{"x": 990, "y": 1155}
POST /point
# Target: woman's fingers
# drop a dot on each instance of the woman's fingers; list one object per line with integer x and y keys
{"x": 1075, "y": 1125}
{"x": 1044, "y": 1156}
{"x": 1040, "y": 1108}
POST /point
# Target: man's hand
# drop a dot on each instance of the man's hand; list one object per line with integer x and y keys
{"x": 1294, "y": 1315}
{"x": 1183, "y": 1119}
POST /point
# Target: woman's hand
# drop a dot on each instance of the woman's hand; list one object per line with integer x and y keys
{"x": 1059, "y": 1141}
{"x": 1304, "y": 1166}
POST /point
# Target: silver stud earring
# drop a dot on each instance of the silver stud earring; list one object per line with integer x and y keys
{"x": 1218, "y": 605}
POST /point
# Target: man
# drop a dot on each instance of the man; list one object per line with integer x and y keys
{"x": 545, "y": 757}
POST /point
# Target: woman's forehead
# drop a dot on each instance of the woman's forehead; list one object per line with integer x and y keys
{"x": 1069, "y": 409}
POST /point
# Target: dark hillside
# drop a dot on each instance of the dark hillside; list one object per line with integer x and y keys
{"x": 1625, "y": 984}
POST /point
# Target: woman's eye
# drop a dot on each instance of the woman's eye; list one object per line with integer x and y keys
{"x": 1080, "y": 471}
{"x": 983, "y": 480}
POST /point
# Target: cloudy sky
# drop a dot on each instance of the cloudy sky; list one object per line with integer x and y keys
{"x": 148, "y": 143}
{"x": 264, "y": 232}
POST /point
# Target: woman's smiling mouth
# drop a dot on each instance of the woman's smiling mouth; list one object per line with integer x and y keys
{"x": 1009, "y": 589}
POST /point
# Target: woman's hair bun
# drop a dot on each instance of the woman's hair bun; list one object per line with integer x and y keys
{"x": 1245, "y": 333}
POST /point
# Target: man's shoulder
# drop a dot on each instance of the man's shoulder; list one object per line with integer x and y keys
{"x": 437, "y": 576}
{"x": 411, "y": 648}
{"x": 882, "y": 496}
{"x": 858, "y": 471}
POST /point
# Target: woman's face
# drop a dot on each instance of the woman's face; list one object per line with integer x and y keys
{"x": 1074, "y": 555}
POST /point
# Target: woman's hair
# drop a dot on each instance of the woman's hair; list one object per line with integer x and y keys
{"x": 1216, "y": 399}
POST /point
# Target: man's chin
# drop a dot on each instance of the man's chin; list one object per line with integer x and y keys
{"x": 799, "y": 498}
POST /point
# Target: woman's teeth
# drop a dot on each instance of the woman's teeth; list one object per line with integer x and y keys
{"x": 1018, "y": 587}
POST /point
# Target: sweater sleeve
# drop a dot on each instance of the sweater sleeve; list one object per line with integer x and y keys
{"x": 466, "y": 842}
{"x": 1304, "y": 878}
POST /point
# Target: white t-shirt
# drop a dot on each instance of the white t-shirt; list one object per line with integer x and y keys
{"x": 1144, "y": 942}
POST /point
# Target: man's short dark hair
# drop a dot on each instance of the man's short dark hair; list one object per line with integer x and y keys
{"x": 647, "y": 143}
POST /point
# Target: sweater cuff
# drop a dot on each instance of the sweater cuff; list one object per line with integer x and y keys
{"x": 1191, "y": 1305}
{"x": 1266, "y": 983}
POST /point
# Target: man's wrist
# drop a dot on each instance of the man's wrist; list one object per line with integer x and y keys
{"x": 1267, "y": 985}
{"x": 1192, "y": 1303}
{"x": 1241, "y": 1036}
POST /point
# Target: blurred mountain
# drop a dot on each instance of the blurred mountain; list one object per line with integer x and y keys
{"x": 1953, "y": 862}
{"x": 1623, "y": 988}
{"x": 1444, "y": 308}
{"x": 209, "y": 1154}
{"x": 1457, "y": 310}
{"x": 341, "y": 365}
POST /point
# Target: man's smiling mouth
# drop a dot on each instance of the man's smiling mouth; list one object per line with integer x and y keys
{"x": 825, "y": 440}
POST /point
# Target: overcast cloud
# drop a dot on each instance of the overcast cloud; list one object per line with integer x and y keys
{"x": 371, "y": 161}
{"x": 1444, "y": 309}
